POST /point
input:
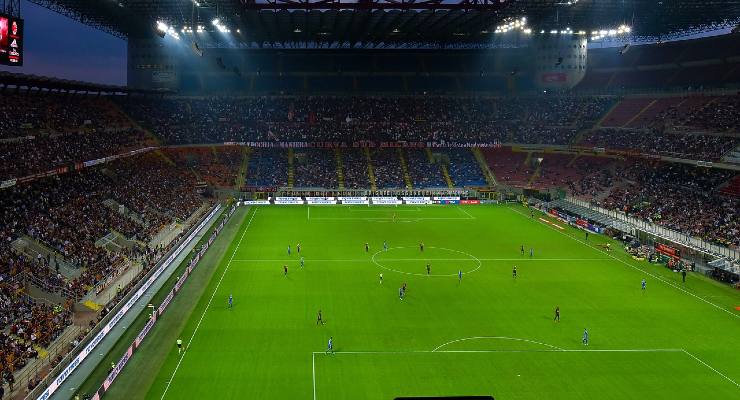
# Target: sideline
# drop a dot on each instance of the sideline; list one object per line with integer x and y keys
{"x": 185, "y": 351}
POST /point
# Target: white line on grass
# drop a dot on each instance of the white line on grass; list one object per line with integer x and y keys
{"x": 424, "y": 259}
{"x": 391, "y": 218}
{"x": 553, "y": 350}
{"x": 510, "y": 351}
{"x": 313, "y": 366}
{"x": 496, "y": 337}
{"x": 465, "y": 212}
{"x": 640, "y": 269}
{"x": 365, "y": 209}
{"x": 309, "y": 212}
{"x": 710, "y": 367}
{"x": 209, "y": 304}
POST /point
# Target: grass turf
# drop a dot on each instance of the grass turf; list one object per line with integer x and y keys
{"x": 488, "y": 334}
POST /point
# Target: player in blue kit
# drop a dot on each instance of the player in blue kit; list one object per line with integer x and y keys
{"x": 644, "y": 284}
{"x": 288, "y": 249}
{"x": 231, "y": 301}
{"x": 585, "y": 337}
{"x": 302, "y": 262}
{"x": 330, "y": 346}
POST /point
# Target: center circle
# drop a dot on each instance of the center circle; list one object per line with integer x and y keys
{"x": 413, "y": 261}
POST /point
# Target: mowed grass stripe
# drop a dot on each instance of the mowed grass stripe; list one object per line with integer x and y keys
{"x": 264, "y": 347}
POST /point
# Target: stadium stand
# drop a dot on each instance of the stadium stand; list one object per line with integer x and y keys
{"x": 679, "y": 197}
{"x": 355, "y": 169}
{"x": 268, "y": 168}
{"x": 387, "y": 167}
{"x": 681, "y": 145}
{"x": 316, "y": 168}
{"x": 423, "y": 172}
{"x": 463, "y": 168}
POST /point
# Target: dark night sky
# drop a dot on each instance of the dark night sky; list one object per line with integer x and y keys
{"x": 60, "y": 47}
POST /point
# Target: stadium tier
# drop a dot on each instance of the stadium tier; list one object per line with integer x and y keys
{"x": 370, "y": 200}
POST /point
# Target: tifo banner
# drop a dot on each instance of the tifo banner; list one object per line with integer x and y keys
{"x": 362, "y": 144}
{"x": 354, "y": 200}
{"x": 153, "y": 318}
{"x": 87, "y": 350}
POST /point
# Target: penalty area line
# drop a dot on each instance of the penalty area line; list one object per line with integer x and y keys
{"x": 208, "y": 305}
{"x": 711, "y": 368}
{"x": 507, "y": 351}
{"x": 465, "y": 212}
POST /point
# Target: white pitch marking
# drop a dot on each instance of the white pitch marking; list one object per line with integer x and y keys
{"x": 465, "y": 212}
{"x": 639, "y": 269}
{"x": 209, "y": 304}
{"x": 425, "y": 259}
{"x": 497, "y": 337}
{"x": 511, "y": 351}
{"x": 710, "y": 367}
{"x": 313, "y": 366}
{"x": 390, "y": 218}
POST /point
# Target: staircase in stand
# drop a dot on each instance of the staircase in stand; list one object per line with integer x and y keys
{"x": 483, "y": 164}
{"x": 370, "y": 172}
{"x": 535, "y": 175}
{"x": 640, "y": 112}
{"x": 165, "y": 158}
{"x": 340, "y": 168}
{"x": 291, "y": 170}
{"x": 442, "y": 167}
{"x": 405, "y": 169}
{"x": 241, "y": 177}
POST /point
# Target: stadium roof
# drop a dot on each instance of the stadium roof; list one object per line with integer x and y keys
{"x": 369, "y": 23}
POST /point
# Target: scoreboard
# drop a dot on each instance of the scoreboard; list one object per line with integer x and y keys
{"x": 11, "y": 40}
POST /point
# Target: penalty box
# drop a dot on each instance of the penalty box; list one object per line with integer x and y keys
{"x": 512, "y": 374}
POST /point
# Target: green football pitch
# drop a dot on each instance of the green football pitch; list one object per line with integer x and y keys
{"x": 485, "y": 334}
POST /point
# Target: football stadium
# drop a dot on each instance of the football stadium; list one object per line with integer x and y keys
{"x": 369, "y": 199}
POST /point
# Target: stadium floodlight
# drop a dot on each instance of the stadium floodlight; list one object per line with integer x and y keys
{"x": 216, "y": 22}
{"x": 527, "y": 31}
{"x": 161, "y": 26}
